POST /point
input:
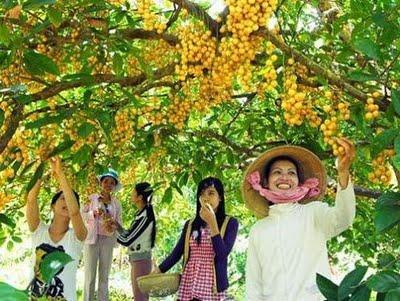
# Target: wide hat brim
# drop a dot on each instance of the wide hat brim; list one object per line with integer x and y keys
{"x": 159, "y": 285}
{"x": 311, "y": 165}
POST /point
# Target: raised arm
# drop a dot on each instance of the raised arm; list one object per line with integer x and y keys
{"x": 334, "y": 220}
{"x": 32, "y": 207}
{"x": 72, "y": 203}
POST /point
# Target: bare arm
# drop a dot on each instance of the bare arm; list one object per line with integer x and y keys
{"x": 73, "y": 208}
{"x": 32, "y": 207}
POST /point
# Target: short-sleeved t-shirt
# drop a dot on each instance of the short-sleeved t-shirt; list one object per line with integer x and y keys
{"x": 63, "y": 285}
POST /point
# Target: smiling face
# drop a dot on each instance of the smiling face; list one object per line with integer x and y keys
{"x": 108, "y": 184}
{"x": 210, "y": 196}
{"x": 283, "y": 176}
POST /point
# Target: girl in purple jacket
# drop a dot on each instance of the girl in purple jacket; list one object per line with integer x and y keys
{"x": 205, "y": 244}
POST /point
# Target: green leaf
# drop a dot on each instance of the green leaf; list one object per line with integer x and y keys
{"x": 52, "y": 264}
{"x": 55, "y": 16}
{"x": 4, "y": 219}
{"x": 351, "y": 281}
{"x": 17, "y": 239}
{"x": 385, "y": 260}
{"x": 393, "y": 295}
{"x": 9, "y": 293}
{"x": 35, "y": 4}
{"x": 383, "y": 140}
{"x": 1, "y": 117}
{"x": 118, "y": 64}
{"x": 362, "y": 293}
{"x": 384, "y": 281}
{"x": 8, "y": 4}
{"x": 48, "y": 119}
{"x": 396, "y": 101}
{"x": 386, "y": 218}
{"x": 85, "y": 129}
{"x": 327, "y": 288}
{"x": 4, "y": 34}
{"x": 396, "y": 161}
{"x": 397, "y": 145}
{"x": 387, "y": 213}
{"x": 367, "y": 47}
{"x": 82, "y": 156}
{"x": 38, "y": 64}
{"x": 61, "y": 147}
{"x": 167, "y": 198}
{"x": 36, "y": 176}
{"x": 360, "y": 76}
{"x": 388, "y": 199}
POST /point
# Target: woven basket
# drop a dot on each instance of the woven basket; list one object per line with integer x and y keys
{"x": 159, "y": 285}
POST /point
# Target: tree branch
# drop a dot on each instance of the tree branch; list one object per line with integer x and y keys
{"x": 59, "y": 87}
{"x": 12, "y": 126}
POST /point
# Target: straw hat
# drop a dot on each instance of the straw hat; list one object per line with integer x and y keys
{"x": 311, "y": 165}
{"x": 159, "y": 285}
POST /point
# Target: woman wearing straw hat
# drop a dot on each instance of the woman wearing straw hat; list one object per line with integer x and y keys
{"x": 287, "y": 247}
{"x": 100, "y": 214}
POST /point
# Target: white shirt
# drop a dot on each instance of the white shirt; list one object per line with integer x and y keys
{"x": 288, "y": 247}
{"x": 63, "y": 284}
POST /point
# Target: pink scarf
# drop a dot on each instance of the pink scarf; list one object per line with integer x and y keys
{"x": 308, "y": 189}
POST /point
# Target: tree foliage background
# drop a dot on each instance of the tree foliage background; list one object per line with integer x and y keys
{"x": 166, "y": 92}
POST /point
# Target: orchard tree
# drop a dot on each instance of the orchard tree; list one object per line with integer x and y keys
{"x": 169, "y": 93}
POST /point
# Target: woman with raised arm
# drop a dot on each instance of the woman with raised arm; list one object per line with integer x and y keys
{"x": 58, "y": 236}
{"x": 287, "y": 247}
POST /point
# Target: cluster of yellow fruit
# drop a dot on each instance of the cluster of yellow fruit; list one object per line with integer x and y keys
{"x": 128, "y": 176}
{"x": 49, "y": 139}
{"x": 247, "y": 16}
{"x": 19, "y": 143}
{"x": 293, "y": 101}
{"x": 158, "y": 53}
{"x": 178, "y": 111}
{"x": 153, "y": 162}
{"x": 330, "y": 131}
{"x": 4, "y": 199}
{"x": 133, "y": 67}
{"x": 124, "y": 130}
{"x": 92, "y": 185}
{"x": 209, "y": 95}
{"x": 197, "y": 49}
{"x": 13, "y": 74}
{"x": 269, "y": 70}
{"x": 337, "y": 110}
{"x": 382, "y": 172}
{"x": 150, "y": 19}
{"x": 5, "y": 107}
{"x": 116, "y": 2}
{"x": 372, "y": 108}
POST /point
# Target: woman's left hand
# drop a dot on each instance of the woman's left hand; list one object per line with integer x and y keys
{"x": 345, "y": 160}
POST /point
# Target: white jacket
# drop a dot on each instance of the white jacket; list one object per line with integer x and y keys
{"x": 288, "y": 247}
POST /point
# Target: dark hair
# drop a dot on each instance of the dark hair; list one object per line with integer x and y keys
{"x": 108, "y": 176}
{"x": 267, "y": 168}
{"x": 220, "y": 214}
{"x": 146, "y": 191}
{"x": 56, "y": 197}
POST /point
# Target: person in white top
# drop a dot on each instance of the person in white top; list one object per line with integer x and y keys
{"x": 287, "y": 247}
{"x": 57, "y": 236}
